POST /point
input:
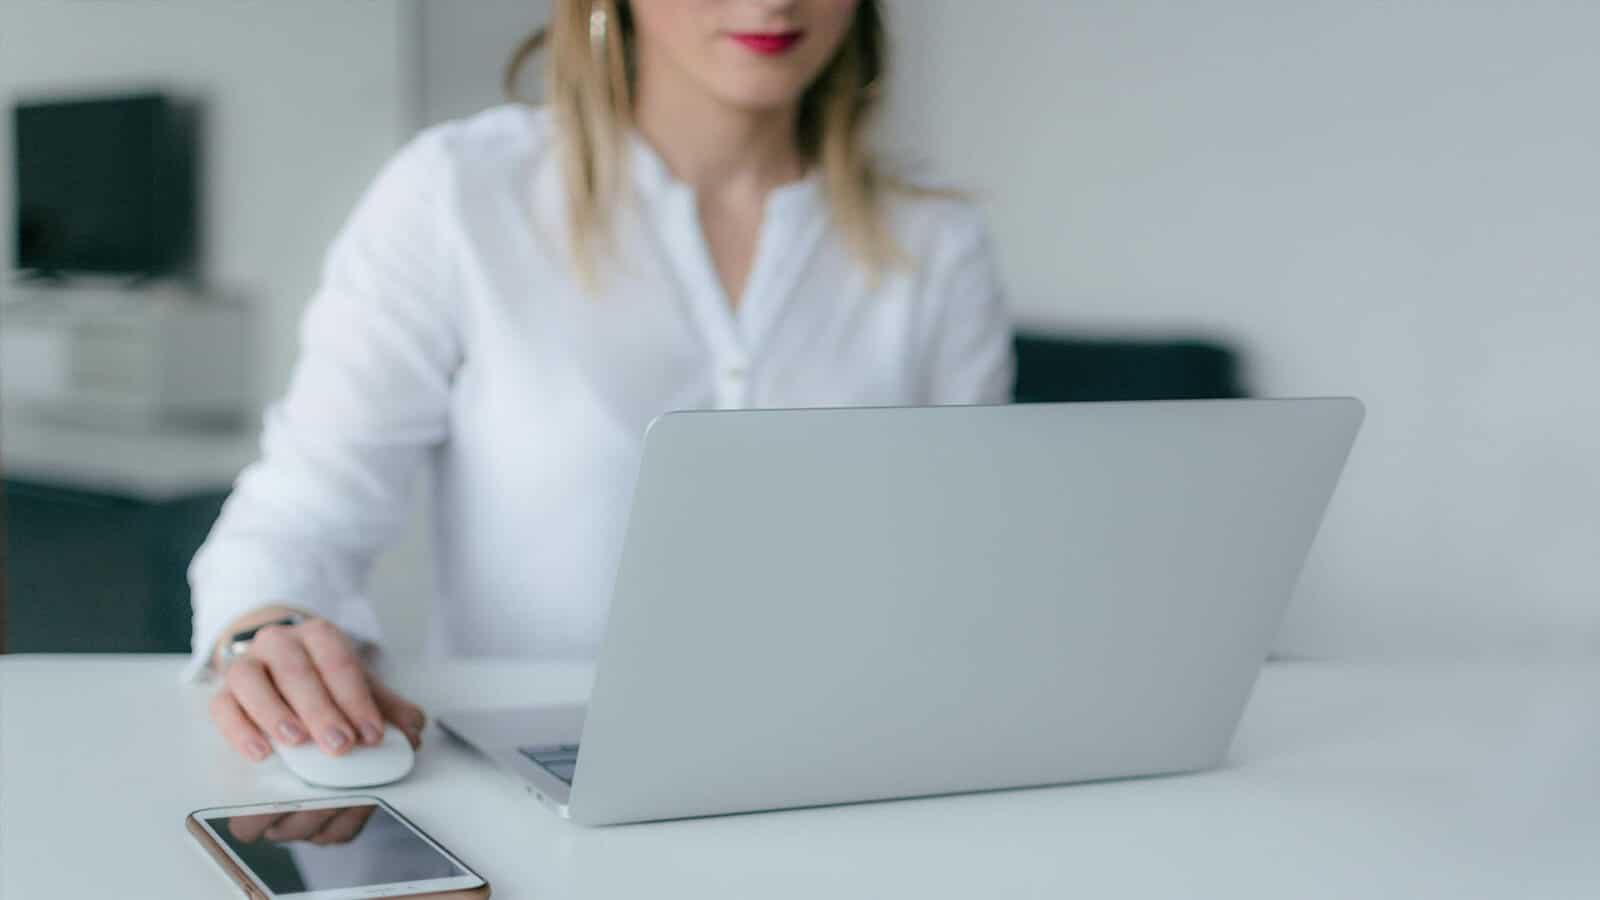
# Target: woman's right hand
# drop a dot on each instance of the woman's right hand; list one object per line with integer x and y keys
{"x": 305, "y": 682}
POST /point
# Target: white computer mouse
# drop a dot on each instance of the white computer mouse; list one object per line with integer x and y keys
{"x": 364, "y": 766}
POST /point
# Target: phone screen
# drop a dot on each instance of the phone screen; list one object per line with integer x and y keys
{"x": 331, "y": 848}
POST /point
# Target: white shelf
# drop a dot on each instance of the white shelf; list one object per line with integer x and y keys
{"x": 158, "y": 359}
{"x": 146, "y": 465}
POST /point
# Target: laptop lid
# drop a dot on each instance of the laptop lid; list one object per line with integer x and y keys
{"x": 835, "y": 605}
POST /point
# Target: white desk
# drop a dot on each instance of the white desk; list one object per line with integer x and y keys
{"x": 1345, "y": 781}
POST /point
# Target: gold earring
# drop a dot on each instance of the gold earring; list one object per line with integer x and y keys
{"x": 598, "y": 25}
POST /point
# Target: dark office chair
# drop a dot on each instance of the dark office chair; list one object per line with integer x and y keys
{"x": 1059, "y": 368}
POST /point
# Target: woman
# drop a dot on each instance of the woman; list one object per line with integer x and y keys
{"x": 693, "y": 222}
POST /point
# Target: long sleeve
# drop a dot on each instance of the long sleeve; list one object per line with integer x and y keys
{"x": 368, "y": 397}
{"x": 448, "y": 331}
{"x": 971, "y": 358}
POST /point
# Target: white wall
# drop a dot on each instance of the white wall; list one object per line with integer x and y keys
{"x": 1394, "y": 200}
{"x": 462, "y": 55}
{"x": 304, "y": 100}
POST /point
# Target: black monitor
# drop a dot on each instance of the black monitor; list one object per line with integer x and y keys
{"x": 105, "y": 185}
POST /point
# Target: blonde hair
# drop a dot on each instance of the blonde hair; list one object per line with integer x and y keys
{"x": 591, "y": 93}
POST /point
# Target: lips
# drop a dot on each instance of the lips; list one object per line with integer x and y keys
{"x": 768, "y": 44}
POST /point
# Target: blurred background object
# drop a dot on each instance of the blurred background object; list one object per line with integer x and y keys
{"x": 173, "y": 173}
{"x": 1057, "y": 369}
{"x": 1394, "y": 201}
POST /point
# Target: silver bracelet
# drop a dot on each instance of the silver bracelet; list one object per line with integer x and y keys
{"x": 239, "y": 643}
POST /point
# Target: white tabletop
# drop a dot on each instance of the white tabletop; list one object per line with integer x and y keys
{"x": 1346, "y": 780}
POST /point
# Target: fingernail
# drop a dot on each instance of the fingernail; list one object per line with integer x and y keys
{"x": 371, "y": 732}
{"x": 336, "y": 737}
{"x": 257, "y": 750}
{"x": 291, "y": 732}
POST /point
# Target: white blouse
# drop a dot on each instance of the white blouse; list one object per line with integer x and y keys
{"x": 450, "y": 331}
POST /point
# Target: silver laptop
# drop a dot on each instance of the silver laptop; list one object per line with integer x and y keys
{"x": 837, "y": 605}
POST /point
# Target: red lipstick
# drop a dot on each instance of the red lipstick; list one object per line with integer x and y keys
{"x": 769, "y": 44}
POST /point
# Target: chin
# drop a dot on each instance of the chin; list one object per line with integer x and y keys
{"x": 763, "y": 97}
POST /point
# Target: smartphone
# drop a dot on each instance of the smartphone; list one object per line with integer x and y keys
{"x": 332, "y": 848}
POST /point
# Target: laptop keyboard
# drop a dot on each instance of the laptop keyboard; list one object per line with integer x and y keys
{"x": 559, "y": 761}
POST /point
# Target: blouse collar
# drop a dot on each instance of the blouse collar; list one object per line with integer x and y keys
{"x": 654, "y": 180}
